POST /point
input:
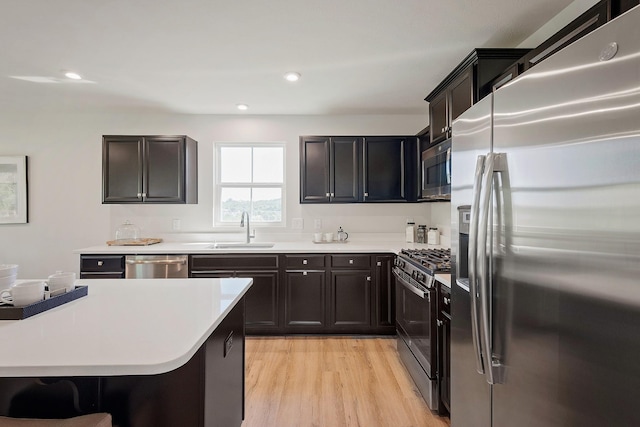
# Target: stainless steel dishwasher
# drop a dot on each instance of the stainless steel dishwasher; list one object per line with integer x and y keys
{"x": 156, "y": 266}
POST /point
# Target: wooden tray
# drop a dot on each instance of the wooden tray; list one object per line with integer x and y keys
{"x": 138, "y": 242}
{"x": 8, "y": 312}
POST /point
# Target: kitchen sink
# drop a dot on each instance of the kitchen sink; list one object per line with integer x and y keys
{"x": 223, "y": 245}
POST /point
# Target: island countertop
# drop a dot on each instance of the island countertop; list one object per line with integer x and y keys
{"x": 122, "y": 327}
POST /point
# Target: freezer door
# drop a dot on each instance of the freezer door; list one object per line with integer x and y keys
{"x": 470, "y": 392}
{"x": 570, "y": 132}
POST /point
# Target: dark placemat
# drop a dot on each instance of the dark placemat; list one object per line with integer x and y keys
{"x": 8, "y": 312}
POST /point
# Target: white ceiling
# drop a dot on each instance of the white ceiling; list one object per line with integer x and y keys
{"x": 206, "y": 56}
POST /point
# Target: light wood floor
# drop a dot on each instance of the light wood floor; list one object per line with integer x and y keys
{"x": 330, "y": 382}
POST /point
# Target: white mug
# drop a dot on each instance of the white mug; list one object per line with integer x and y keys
{"x": 317, "y": 237}
{"x": 60, "y": 280}
{"x": 24, "y": 293}
{"x": 328, "y": 237}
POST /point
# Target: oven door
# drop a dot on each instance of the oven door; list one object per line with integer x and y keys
{"x": 416, "y": 322}
{"x": 436, "y": 172}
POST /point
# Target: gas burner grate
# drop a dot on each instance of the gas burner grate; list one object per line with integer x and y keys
{"x": 435, "y": 260}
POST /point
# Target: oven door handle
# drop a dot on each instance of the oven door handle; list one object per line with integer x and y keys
{"x": 410, "y": 287}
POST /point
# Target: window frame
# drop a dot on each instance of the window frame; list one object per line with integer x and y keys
{"x": 219, "y": 185}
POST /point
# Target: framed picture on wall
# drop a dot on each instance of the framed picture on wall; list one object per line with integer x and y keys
{"x": 13, "y": 190}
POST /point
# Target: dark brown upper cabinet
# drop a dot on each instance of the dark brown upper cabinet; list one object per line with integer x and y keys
{"x": 596, "y": 16}
{"x": 350, "y": 169}
{"x": 330, "y": 169}
{"x": 149, "y": 169}
{"x": 385, "y": 177}
{"x": 469, "y": 82}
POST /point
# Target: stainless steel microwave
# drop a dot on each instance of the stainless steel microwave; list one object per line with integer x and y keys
{"x": 436, "y": 172}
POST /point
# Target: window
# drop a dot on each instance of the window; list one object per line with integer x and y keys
{"x": 249, "y": 177}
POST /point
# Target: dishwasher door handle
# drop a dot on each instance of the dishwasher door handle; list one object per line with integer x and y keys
{"x": 182, "y": 261}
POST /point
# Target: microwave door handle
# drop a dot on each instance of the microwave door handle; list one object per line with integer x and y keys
{"x": 448, "y": 165}
{"x": 473, "y": 284}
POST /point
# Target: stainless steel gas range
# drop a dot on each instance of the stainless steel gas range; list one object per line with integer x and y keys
{"x": 416, "y": 316}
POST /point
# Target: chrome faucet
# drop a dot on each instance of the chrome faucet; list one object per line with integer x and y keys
{"x": 249, "y": 236}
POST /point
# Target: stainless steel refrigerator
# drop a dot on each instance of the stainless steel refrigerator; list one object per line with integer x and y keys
{"x": 546, "y": 242}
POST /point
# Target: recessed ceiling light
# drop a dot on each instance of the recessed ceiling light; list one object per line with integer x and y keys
{"x": 72, "y": 75}
{"x": 242, "y": 107}
{"x": 292, "y": 76}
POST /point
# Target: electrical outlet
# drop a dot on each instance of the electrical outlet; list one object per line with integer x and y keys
{"x": 317, "y": 224}
{"x": 175, "y": 224}
{"x": 297, "y": 223}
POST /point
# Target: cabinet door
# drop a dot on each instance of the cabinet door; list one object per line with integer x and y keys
{"x": 208, "y": 262}
{"x": 261, "y": 301}
{"x": 314, "y": 169}
{"x": 384, "y": 169}
{"x": 345, "y": 169}
{"x": 305, "y": 302}
{"x": 164, "y": 169}
{"x": 444, "y": 368}
{"x": 350, "y": 298}
{"x": 438, "y": 120}
{"x": 385, "y": 292}
{"x": 122, "y": 159}
{"x": 461, "y": 93}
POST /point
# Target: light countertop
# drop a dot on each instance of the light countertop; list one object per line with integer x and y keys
{"x": 122, "y": 327}
{"x": 444, "y": 278}
{"x": 355, "y": 246}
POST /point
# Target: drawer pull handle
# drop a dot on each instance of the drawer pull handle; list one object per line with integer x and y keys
{"x": 304, "y": 273}
{"x": 100, "y": 263}
{"x": 447, "y": 300}
{"x": 350, "y": 261}
{"x": 305, "y": 262}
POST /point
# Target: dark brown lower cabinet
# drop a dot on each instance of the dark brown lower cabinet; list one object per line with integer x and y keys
{"x": 350, "y": 294}
{"x": 295, "y": 293}
{"x": 385, "y": 293}
{"x": 305, "y": 301}
{"x": 262, "y": 300}
{"x": 444, "y": 347}
{"x": 102, "y": 266}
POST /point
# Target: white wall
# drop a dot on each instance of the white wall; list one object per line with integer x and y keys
{"x": 65, "y": 209}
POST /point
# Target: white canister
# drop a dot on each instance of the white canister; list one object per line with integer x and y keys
{"x": 411, "y": 232}
{"x": 433, "y": 236}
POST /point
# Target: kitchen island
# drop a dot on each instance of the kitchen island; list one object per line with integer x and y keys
{"x": 161, "y": 352}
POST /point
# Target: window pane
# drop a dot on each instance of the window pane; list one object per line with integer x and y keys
{"x": 235, "y": 164}
{"x": 267, "y": 205}
{"x": 267, "y": 164}
{"x": 233, "y": 201}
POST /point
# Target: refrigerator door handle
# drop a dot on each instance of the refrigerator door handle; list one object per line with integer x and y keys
{"x": 473, "y": 278}
{"x": 482, "y": 262}
{"x": 493, "y": 163}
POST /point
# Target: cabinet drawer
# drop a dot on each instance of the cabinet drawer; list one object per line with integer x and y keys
{"x": 350, "y": 261}
{"x": 298, "y": 262}
{"x": 226, "y": 262}
{"x": 109, "y": 275}
{"x": 102, "y": 263}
